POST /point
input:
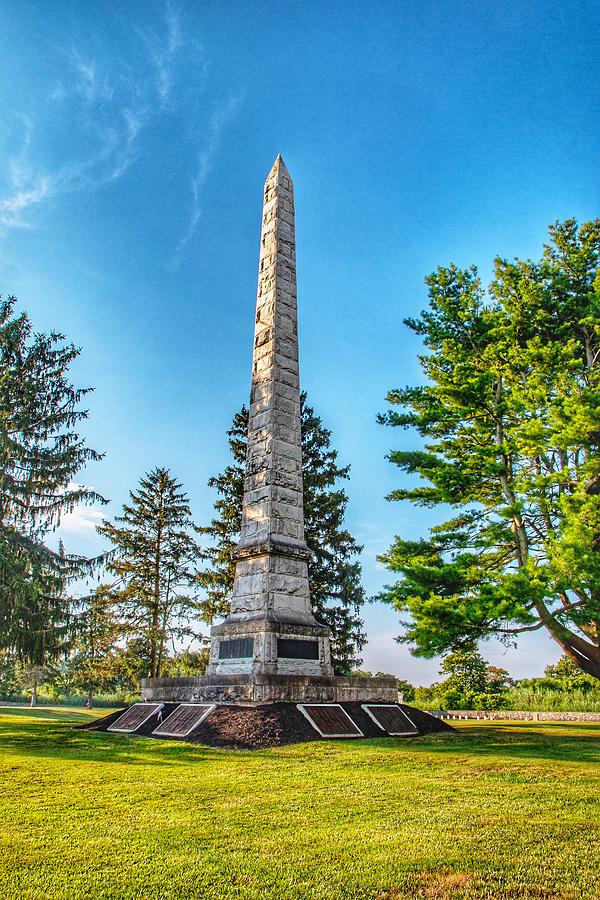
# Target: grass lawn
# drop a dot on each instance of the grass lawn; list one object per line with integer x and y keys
{"x": 498, "y": 811}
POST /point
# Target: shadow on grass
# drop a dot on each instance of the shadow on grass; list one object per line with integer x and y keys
{"x": 549, "y": 741}
{"x": 46, "y": 733}
{"x": 52, "y": 713}
{"x": 86, "y": 746}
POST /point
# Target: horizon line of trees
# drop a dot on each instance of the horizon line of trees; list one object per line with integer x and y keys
{"x": 471, "y": 683}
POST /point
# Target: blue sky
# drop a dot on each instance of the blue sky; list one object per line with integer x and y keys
{"x": 135, "y": 140}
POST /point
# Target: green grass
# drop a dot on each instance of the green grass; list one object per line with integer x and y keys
{"x": 496, "y": 811}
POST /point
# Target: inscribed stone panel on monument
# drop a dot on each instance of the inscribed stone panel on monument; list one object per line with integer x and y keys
{"x": 236, "y": 648}
{"x": 289, "y": 648}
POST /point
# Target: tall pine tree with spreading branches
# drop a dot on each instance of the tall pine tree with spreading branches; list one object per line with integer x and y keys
{"x": 41, "y": 452}
{"x": 334, "y": 571}
{"x": 153, "y": 558}
{"x": 510, "y": 417}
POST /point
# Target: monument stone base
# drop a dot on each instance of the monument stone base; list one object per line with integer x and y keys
{"x": 256, "y": 689}
{"x": 261, "y": 726}
{"x": 264, "y": 645}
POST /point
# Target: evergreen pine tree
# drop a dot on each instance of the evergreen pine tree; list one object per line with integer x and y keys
{"x": 153, "y": 558}
{"x": 334, "y": 571}
{"x": 40, "y": 455}
{"x": 511, "y": 423}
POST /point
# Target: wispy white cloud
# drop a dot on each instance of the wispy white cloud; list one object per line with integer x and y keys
{"x": 28, "y": 187}
{"x": 82, "y": 521}
{"x": 205, "y": 161}
{"x": 13, "y": 206}
{"x": 92, "y": 87}
{"x": 110, "y": 106}
{"x": 164, "y": 51}
{"x": 116, "y": 150}
{"x": 111, "y": 100}
{"x": 58, "y": 93}
{"x": 19, "y": 170}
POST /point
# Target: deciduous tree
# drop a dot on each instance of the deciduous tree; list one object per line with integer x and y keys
{"x": 471, "y": 683}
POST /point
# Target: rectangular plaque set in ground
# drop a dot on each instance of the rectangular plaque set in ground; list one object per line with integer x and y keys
{"x": 266, "y": 725}
{"x": 271, "y": 648}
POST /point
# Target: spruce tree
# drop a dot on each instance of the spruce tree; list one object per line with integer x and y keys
{"x": 153, "y": 558}
{"x": 41, "y": 452}
{"x": 334, "y": 570}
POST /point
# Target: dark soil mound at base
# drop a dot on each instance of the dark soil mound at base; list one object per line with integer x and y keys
{"x": 271, "y": 725}
{"x": 103, "y": 723}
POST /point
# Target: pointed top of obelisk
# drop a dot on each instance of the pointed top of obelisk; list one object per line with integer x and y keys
{"x": 278, "y": 168}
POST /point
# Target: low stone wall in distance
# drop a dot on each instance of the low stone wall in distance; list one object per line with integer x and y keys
{"x": 517, "y": 715}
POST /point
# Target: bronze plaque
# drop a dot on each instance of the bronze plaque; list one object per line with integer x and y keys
{"x": 390, "y": 718}
{"x": 184, "y": 719}
{"x": 134, "y": 717}
{"x": 330, "y": 719}
{"x": 287, "y": 648}
{"x": 236, "y": 648}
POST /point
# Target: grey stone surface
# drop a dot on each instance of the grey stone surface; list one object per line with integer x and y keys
{"x": 252, "y": 688}
{"x": 271, "y": 597}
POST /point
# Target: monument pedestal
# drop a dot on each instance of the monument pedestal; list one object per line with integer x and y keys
{"x": 256, "y": 689}
{"x": 265, "y": 645}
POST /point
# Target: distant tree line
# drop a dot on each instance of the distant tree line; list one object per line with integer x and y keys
{"x": 470, "y": 683}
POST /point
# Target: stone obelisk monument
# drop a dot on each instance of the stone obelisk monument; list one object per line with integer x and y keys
{"x": 271, "y": 628}
{"x": 271, "y": 649}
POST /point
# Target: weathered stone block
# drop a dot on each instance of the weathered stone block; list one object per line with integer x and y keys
{"x": 295, "y": 688}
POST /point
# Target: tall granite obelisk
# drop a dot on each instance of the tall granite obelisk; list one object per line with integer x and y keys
{"x": 271, "y": 628}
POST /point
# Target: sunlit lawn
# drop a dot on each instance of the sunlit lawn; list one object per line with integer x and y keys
{"x": 498, "y": 810}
